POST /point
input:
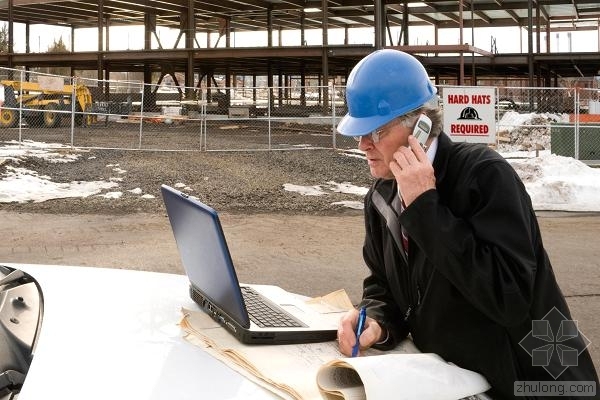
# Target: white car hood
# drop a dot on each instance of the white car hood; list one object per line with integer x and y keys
{"x": 110, "y": 333}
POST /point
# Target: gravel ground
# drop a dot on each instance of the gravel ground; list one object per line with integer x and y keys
{"x": 230, "y": 181}
{"x": 237, "y": 182}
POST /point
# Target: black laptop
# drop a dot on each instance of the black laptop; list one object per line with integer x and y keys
{"x": 252, "y": 313}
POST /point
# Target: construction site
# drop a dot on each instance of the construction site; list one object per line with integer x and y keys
{"x": 219, "y": 93}
{"x": 237, "y": 104}
{"x": 204, "y": 53}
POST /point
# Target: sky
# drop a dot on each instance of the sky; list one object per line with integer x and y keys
{"x": 507, "y": 39}
{"x": 553, "y": 182}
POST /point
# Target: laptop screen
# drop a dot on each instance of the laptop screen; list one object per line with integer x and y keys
{"x": 204, "y": 253}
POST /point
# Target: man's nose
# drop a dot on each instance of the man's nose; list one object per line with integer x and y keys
{"x": 365, "y": 142}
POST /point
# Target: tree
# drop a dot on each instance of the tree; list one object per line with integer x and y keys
{"x": 58, "y": 47}
{"x": 4, "y": 39}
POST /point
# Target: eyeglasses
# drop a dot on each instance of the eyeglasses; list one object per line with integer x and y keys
{"x": 377, "y": 134}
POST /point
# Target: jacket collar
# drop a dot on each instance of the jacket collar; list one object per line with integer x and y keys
{"x": 441, "y": 157}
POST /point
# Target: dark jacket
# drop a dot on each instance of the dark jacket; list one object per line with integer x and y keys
{"x": 476, "y": 275}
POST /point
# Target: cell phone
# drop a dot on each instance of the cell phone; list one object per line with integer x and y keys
{"x": 422, "y": 129}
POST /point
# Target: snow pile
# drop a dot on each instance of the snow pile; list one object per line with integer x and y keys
{"x": 526, "y": 132}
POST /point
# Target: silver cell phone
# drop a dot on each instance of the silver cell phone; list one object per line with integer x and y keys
{"x": 422, "y": 129}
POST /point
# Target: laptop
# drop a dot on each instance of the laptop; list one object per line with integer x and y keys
{"x": 279, "y": 317}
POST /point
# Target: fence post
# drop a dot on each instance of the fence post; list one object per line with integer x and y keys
{"x": 269, "y": 116}
{"x": 73, "y": 81}
{"x": 141, "y": 116}
{"x": 576, "y": 108}
{"x": 203, "y": 117}
{"x": 333, "y": 98}
{"x": 21, "y": 110}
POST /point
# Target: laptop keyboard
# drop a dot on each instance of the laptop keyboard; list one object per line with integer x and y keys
{"x": 265, "y": 315}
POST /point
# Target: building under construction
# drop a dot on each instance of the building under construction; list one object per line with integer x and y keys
{"x": 459, "y": 63}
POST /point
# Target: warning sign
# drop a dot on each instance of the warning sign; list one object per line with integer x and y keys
{"x": 470, "y": 114}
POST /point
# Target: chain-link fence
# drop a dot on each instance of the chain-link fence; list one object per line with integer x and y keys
{"x": 563, "y": 120}
{"x": 90, "y": 113}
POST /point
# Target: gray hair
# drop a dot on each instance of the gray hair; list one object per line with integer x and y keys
{"x": 431, "y": 109}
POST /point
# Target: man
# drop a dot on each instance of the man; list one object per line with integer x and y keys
{"x": 452, "y": 242}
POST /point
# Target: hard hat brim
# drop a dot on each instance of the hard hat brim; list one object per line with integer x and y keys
{"x": 352, "y": 126}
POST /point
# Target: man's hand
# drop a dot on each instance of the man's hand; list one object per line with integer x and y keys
{"x": 413, "y": 171}
{"x": 371, "y": 334}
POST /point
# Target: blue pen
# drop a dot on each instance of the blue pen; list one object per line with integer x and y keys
{"x": 362, "y": 316}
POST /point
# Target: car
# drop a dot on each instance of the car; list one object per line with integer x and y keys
{"x": 503, "y": 105}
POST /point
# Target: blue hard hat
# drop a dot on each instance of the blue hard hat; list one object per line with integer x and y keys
{"x": 382, "y": 86}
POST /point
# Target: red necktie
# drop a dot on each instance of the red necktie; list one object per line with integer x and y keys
{"x": 399, "y": 206}
{"x": 404, "y": 235}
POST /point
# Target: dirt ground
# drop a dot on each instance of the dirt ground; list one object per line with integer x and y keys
{"x": 308, "y": 254}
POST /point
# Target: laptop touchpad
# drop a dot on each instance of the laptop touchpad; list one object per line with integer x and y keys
{"x": 292, "y": 309}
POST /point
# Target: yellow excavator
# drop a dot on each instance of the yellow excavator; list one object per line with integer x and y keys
{"x": 45, "y": 107}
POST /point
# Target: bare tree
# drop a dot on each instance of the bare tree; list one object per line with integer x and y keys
{"x": 58, "y": 47}
{"x": 4, "y": 38}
